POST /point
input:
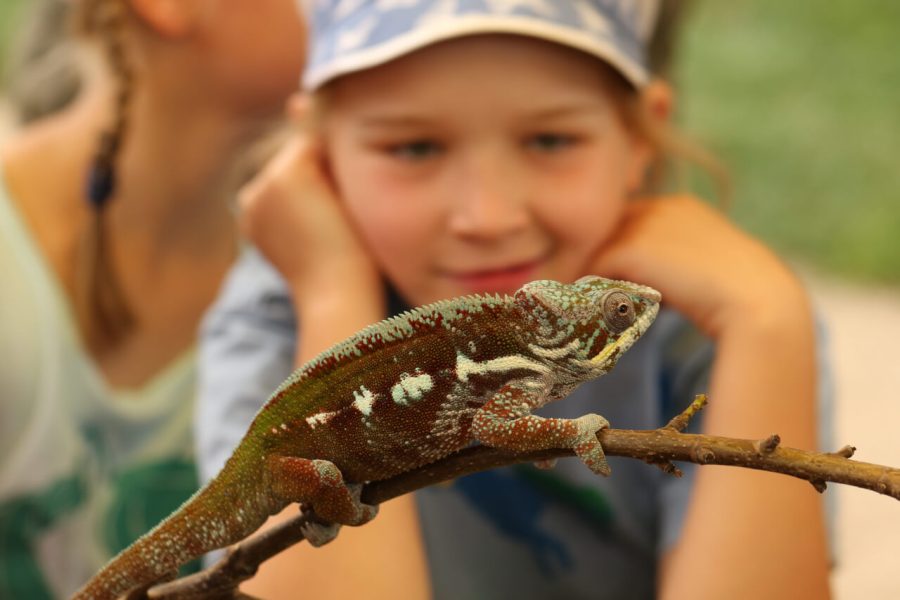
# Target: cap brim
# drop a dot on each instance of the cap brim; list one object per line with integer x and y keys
{"x": 465, "y": 25}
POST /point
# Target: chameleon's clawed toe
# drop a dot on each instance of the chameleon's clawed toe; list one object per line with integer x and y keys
{"x": 319, "y": 534}
{"x": 365, "y": 512}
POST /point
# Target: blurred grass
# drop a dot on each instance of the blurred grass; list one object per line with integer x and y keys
{"x": 802, "y": 100}
{"x": 9, "y": 13}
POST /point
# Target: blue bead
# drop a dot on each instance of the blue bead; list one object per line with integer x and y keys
{"x": 100, "y": 184}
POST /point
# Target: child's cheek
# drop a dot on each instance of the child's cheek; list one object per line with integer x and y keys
{"x": 395, "y": 231}
{"x": 581, "y": 223}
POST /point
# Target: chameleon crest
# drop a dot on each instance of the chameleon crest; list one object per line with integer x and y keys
{"x": 398, "y": 395}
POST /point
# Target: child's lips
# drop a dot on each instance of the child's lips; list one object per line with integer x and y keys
{"x": 496, "y": 280}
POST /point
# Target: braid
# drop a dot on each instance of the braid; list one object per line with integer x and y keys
{"x": 102, "y": 307}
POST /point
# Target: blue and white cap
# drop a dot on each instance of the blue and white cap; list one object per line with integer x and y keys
{"x": 352, "y": 35}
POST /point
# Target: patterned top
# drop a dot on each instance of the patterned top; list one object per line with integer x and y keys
{"x": 84, "y": 469}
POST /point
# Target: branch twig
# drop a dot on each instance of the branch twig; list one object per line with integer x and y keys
{"x": 658, "y": 447}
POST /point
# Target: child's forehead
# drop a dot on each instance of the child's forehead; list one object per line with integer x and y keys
{"x": 354, "y": 35}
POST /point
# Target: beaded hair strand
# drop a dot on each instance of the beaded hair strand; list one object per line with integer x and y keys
{"x": 100, "y": 303}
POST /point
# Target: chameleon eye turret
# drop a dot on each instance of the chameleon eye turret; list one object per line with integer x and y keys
{"x": 618, "y": 310}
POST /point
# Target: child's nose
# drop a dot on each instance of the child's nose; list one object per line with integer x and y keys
{"x": 490, "y": 201}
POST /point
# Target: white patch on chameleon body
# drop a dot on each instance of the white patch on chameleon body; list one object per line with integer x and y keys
{"x": 411, "y": 387}
{"x": 320, "y": 418}
{"x": 363, "y": 400}
{"x": 465, "y": 366}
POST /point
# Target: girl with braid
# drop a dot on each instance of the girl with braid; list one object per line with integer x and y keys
{"x": 115, "y": 234}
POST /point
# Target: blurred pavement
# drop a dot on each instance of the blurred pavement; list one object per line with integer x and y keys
{"x": 864, "y": 327}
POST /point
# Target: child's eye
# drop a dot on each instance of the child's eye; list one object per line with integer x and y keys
{"x": 550, "y": 142}
{"x": 415, "y": 150}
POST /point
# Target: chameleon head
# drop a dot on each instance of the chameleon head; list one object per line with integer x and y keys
{"x": 594, "y": 319}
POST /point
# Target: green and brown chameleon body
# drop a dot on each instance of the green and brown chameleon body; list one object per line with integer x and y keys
{"x": 397, "y": 395}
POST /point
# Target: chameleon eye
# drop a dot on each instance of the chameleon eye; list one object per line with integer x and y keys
{"x": 618, "y": 311}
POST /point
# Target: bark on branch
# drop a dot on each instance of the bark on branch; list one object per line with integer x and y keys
{"x": 659, "y": 447}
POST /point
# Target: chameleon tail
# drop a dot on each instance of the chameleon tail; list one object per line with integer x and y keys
{"x": 216, "y": 516}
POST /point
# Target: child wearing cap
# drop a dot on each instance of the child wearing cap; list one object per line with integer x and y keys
{"x": 464, "y": 147}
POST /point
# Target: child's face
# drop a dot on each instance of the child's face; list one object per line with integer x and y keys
{"x": 482, "y": 163}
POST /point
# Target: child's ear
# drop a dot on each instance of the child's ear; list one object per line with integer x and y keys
{"x": 658, "y": 99}
{"x": 169, "y": 18}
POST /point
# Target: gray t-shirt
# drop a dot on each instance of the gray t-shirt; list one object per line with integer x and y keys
{"x": 517, "y": 532}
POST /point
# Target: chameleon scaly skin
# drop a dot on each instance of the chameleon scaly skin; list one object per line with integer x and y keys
{"x": 395, "y": 396}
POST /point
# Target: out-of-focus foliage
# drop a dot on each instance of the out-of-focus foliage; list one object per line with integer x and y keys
{"x": 802, "y": 100}
{"x": 9, "y": 13}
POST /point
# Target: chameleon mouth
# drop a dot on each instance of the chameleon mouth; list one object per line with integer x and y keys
{"x": 630, "y": 336}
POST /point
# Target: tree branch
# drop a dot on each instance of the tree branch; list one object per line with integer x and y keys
{"x": 658, "y": 447}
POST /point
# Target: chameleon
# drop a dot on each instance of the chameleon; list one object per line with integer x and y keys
{"x": 398, "y": 395}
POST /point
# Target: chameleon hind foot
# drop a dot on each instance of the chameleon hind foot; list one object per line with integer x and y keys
{"x": 319, "y": 484}
{"x": 319, "y": 534}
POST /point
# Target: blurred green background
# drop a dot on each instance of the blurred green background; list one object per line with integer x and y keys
{"x": 801, "y": 99}
{"x": 9, "y": 11}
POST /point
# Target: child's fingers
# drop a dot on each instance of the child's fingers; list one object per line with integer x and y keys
{"x": 261, "y": 195}
{"x": 291, "y": 213}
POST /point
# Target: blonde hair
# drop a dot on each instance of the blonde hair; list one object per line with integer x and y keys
{"x": 675, "y": 153}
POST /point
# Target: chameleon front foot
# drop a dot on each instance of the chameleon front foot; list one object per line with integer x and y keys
{"x": 504, "y": 422}
{"x": 587, "y": 447}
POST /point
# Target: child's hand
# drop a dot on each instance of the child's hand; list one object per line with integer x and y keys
{"x": 291, "y": 214}
{"x": 705, "y": 267}
{"x": 763, "y": 379}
